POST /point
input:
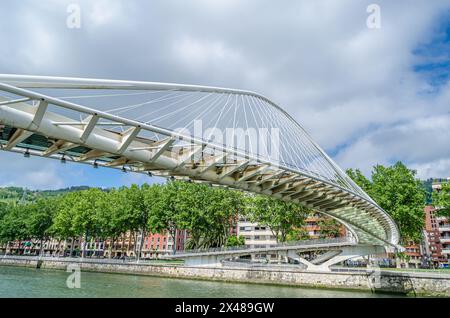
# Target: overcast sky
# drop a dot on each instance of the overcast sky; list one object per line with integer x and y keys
{"x": 367, "y": 96}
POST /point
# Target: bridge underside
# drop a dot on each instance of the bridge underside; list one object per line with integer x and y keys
{"x": 37, "y": 124}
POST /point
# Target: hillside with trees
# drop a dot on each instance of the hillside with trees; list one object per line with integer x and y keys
{"x": 17, "y": 194}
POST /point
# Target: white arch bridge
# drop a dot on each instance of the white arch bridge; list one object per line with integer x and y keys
{"x": 233, "y": 138}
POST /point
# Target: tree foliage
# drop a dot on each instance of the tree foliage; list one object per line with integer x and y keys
{"x": 234, "y": 240}
{"x": 206, "y": 212}
{"x": 40, "y": 217}
{"x": 282, "y": 217}
{"x": 399, "y": 193}
{"x": 298, "y": 234}
{"x": 329, "y": 227}
{"x": 13, "y": 225}
{"x": 441, "y": 199}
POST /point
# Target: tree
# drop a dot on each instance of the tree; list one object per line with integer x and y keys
{"x": 194, "y": 204}
{"x": 77, "y": 215}
{"x": 3, "y": 209}
{"x": 86, "y": 209}
{"x": 329, "y": 227}
{"x": 112, "y": 216}
{"x": 280, "y": 216}
{"x": 234, "y": 240}
{"x": 441, "y": 199}
{"x": 13, "y": 224}
{"x": 206, "y": 212}
{"x": 62, "y": 227}
{"x": 298, "y": 234}
{"x": 397, "y": 191}
{"x": 357, "y": 176}
{"x": 40, "y": 219}
{"x": 221, "y": 209}
{"x": 165, "y": 212}
{"x": 135, "y": 204}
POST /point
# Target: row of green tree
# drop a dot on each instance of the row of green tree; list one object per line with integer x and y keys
{"x": 208, "y": 213}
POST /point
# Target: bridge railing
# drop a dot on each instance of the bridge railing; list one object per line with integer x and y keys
{"x": 290, "y": 243}
{"x": 94, "y": 260}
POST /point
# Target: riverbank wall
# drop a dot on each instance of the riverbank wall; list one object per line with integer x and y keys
{"x": 411, "y": 283}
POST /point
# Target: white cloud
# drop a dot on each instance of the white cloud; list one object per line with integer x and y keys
{"x": 108, "y": 13}
{"x": 421, "y": 143}
{"x": 433, "y": 169}
{"x": 354, "y": 89}
{"x": 33, "y": 173}
{"x": 197, "y": 54}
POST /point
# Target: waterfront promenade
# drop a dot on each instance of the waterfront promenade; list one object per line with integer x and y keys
{"x": 372, "y": 279}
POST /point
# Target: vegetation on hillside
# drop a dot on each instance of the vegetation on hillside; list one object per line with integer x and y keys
{"x": 17, "y": 194}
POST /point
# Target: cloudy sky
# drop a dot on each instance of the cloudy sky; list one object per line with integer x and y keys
{"x": 366, "y": 95}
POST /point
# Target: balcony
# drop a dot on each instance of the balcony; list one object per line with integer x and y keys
{"x": 261, "y": 242}
{"x": 445, "y": 239}
{"x": 444, "y": 228}
{"x": 446, "y": 251}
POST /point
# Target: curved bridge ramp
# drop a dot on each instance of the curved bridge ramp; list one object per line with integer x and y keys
{"x": 231, "y": 138}
{"x": 336, "y": 251}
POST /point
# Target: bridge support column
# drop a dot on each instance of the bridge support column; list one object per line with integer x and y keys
{"x": 345, "y": 253}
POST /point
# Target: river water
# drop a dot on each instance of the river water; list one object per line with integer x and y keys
{"x": 28, "y": 282}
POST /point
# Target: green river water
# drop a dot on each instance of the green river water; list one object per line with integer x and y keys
{"x": 28, "y": 282}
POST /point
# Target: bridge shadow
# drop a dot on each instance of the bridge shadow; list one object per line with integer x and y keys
{"x": 390, "y": 283}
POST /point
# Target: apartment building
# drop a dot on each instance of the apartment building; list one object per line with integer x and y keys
{"x": 415, "y": 256}
{"x": 432, "y": 235}
{"x": 312, "y": 225}
{"x": 444, "y": 232}
{"x": 127, "y": 245}
{"x": 442, "y": 225}
{"x": 155, "y": 245}
{"x": 255, "y": 236}
{"x": 52, "y": 247}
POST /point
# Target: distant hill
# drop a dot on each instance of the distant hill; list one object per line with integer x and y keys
{"x": 16, "y": 194}
{"x": 427, "y": 185}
